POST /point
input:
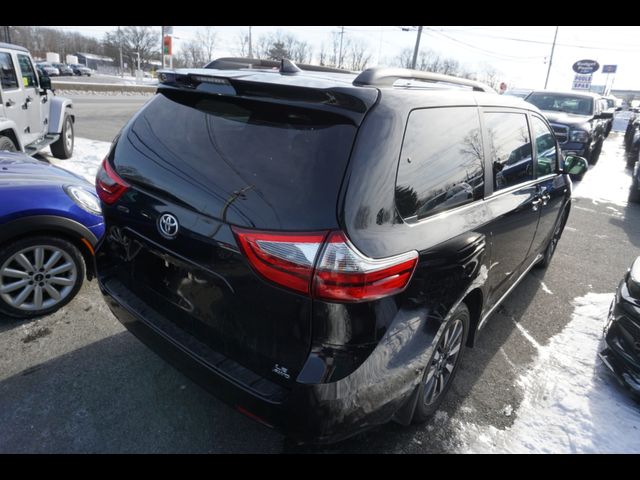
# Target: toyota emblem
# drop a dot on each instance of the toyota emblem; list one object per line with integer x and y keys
{"x": 168, "y": 225}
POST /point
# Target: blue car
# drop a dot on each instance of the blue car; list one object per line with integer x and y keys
{"x": 50, "y": 223}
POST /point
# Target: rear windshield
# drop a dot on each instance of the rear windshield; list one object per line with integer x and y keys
{"x": 562, "y": 103}
{"x": 288, "y": 162}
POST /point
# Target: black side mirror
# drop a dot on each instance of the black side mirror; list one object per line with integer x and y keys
{"x": 45, "y": 83}
{"x": 618, "y": 109}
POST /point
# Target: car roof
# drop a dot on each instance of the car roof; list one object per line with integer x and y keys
{"x": 11, "y": 46}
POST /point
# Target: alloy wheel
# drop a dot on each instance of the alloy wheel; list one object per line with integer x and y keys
{"x": 443, "y": 362}
{"x": 37, "y": 278}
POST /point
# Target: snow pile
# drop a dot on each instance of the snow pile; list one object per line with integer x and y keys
{"x": 608, "y": 180}
{"x": 86, "y": 158}
{"x": 115, "y": 93}
{"x": 571, "y": 403}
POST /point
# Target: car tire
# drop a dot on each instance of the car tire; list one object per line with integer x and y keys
{"x": 7, "y": 144}
{"x": 63, "y": 147}
{"x": 435, "y": 381}
{"x": 550, "y": 249}
{"x": 634, "y": 193}
{"x": 595, "y": 153}
{"x": 36, "y": 295}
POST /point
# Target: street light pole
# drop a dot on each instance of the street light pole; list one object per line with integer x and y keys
{"x": 551, "y": 58}
{"x": 162, "y": 45}
{"x": 340, "y": 54}
{"x": 415, "y": 50}
{"x": 120, "y": 43}
{"x": 250, "y": 52}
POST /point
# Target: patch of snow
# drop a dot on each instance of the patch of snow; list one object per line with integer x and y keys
{"x": 545, "y": 289}
{"x": 609, "y": 180}
{"x": 71, "y": 92}
{"x": 571, "y": 403}
{"x": 86, "y": 159}
{"x": 507, "y": 410}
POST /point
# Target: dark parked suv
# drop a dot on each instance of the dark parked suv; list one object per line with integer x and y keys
{"x": 579, "y": 120}
{"x": 288, "y": 237}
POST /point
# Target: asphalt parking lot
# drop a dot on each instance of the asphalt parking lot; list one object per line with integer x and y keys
{"x": 77, "y": 381}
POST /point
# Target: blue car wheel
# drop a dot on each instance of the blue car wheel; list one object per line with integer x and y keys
{"x": 39, "y": 275}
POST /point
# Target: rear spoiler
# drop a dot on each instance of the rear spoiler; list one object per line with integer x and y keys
{"x": 347, "y": 101}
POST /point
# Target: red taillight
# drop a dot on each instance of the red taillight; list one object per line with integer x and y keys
{"x": 109, "y": 185}
{"x": 325, "y": 266}
{"x": 344, "y": 274}
{"x": 284, "y": 258}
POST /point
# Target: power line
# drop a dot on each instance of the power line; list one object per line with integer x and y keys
{"x": 514, "y": 58}
{"x": 544, "y": 42}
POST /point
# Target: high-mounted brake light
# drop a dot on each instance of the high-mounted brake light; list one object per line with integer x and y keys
{"x": 109, "y": 185}
{"x": 324, "y": 265}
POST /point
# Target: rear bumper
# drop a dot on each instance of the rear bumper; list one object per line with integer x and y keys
{"x": 307, "y": 413}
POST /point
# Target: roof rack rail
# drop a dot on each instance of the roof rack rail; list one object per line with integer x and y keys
{"x": 235, "y": 63}
{"x": 386, "y": 77}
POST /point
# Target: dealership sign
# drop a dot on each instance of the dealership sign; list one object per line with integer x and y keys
{"x": 586, "y": 67}
{"x": 582, "y": 82}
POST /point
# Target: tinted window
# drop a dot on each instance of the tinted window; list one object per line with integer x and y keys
{"x": 7, "y": 72}
{"x": 28, "y": 75}
{"x": 441, "y": 162}
{"x": 558, "y": 102}
{"x": 546, "y": 148}
{"x": 283, "y": 164}
{"x": 510, "y": 148}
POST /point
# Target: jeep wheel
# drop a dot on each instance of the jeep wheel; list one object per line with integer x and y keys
{"x": 442, "y": 365}
{"x": 7, "y": 144}
{"x": 63, "y": 147}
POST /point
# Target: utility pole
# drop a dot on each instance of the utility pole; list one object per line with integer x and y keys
{"x": 551, "y": 58}
{"x": 162, "y": 46}
{"x": 120, "y": 43}
{"x": 250, "y": 52}
{"x": 415, "y": 50}
{"x": 340, "y": 54}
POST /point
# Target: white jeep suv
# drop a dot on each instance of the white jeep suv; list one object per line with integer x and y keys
{"x": 31, "y": 116}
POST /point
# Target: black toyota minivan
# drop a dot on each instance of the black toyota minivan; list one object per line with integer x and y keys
{"x": 318, "y": 248}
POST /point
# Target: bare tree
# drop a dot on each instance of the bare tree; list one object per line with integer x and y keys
{"x": 357, "y": 55}
{"x": 489, "y": 75}
{"x": 142, "y": 40}
{"x": 207, "y": 41}
{"x": 40, "y": 40}
{"x": 242, "y": 45}
{"x": 278, "y": 45}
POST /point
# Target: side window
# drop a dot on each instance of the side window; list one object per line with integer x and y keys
{"x": 7, "y": 72}
{"x": 545, "y": 147}
{"x": 441, "y": 162}
{"x": 510, "y": 147}
{"x": 28, "y": 75}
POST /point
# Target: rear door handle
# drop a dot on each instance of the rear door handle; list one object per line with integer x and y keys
{"x": 10, "y": 103}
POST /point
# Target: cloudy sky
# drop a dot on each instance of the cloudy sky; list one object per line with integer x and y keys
{"x": 521, "y": 54}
